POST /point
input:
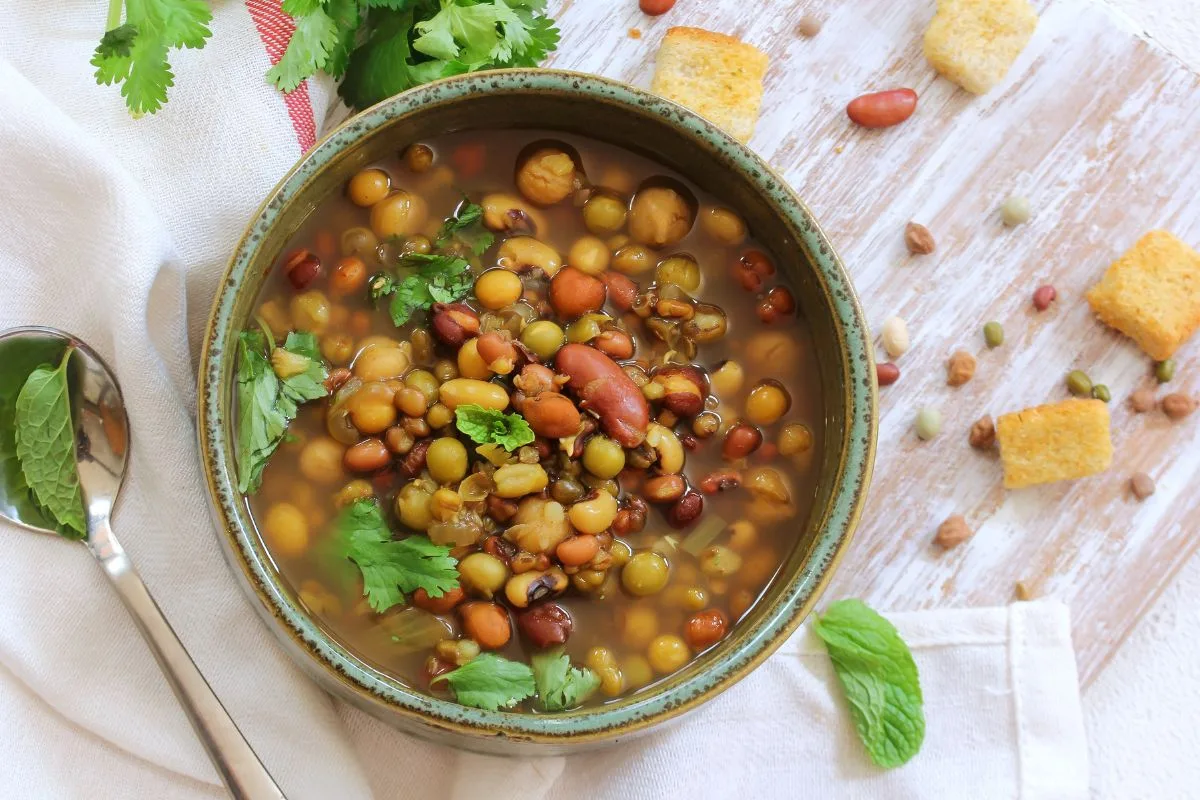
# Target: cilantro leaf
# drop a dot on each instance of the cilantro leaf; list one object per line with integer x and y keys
{"x": 459, "y": 32}
{"x": 879, "y": 677}
{"x": 314, "y": 39}
{"x": 559, "y": 685}
{"x": 488, "y": 426}
{"x": 490, "y": 682}
{"x": 346, "y": 16}
{"x": 392, "y": 567}
{"x": 438, "y": 279}
{"x": 379, "y": 67}
{"x": 45, "y": 442}
{"x": 305, "y": 379}
{"x": 466, "y": 226}
{"x": 134, "y": 54}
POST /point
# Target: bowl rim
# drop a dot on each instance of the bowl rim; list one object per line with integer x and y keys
{"x": 379, "y": 693}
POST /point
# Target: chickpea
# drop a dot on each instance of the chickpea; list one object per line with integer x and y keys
{"x": 439, "y": 416}
{"x": 758, "y": 568}
{"x": 446, "y": 460}
{"x": 349, "y": 276}
{"x": 423, "y": 381}
{"x": 321, "y": 460}
{"x": 727, "y": 380}
{"x": 723, "y": 226}
{"x": 470, "y": 363}
{"x": 518, "y": 480}
{"x": 604, "y": 213}
{"x": 276, "y": 316}
{"x": 773, "y": 351}
{"x": 795, "y": 438}
{"x": 659, "y": 216}
{"x": 360, "y": 242}
{"x": 768, "y": 401}
{"x": 379, "y": 362}
{"x": 547, "y": 176}
{"x": 418, "y": 157}
{"x": 639, "y": 626}
{"x": 286, "y": 530}
{"x": 483, "y": 574}
{"x": 680, "y": 270}
{"x": 368, "y": 187}
{"x": 603, "y": 457}
{"x": 589, "y": 254}
{"x": 594, "y": 515}
{"x": 620, "y": 552}
{"x": 633, "y": 259}
{"x": 646, "y": 573}
{"x": 372, "y": 409}
{"x": 414, "y": 506}
{"x": 543, "y": 337}
{"x": 398, "y": 214}
{"x": 667, "y": 653}
{"x": 719, "y": 561}
{"x": 637, "y": 671}
{"x": 498, "y": 288}
{"x": 444, "y": 504}
{"x": 337, "y": 348}
{"x": 487, "y": 623}
{"x": 310, "y": 311}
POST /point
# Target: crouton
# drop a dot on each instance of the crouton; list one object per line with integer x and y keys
{"x": 974, "y": 42}
{"x": 717, "y": 76}
{"x": 1152, "y": 294}
{"x": 1054, "y": 442}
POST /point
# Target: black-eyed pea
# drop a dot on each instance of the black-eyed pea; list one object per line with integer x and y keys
{"x": 664, "y": 442}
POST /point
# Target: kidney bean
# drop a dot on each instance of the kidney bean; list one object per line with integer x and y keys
{"x": 621, "y": 290}
{"x": 615, "y": 344}
{"x": 685, "y": 510}
{"x": 684, "y": 389}
{"x": 574, "y": 292}
{"x": 777, "y": 303}
{"x": 367, "y": 456}
{"x": 740, "y": 441}
{"x": 551, "y": 414}
{"x": 664, "y": 488}
{"x": 438, "y": 605}
{"x": 1044, "y": 296}
{"x": 752, "y": 268}
{"x": 545, "y": 624}
{"x": 454, "y": 323}
{"x": 302, "y": 268}
{"x": 887, "y": 373}
{"x": 497, "y": 352}
{"x": 605, "y": 389}
{"x": 705, "y": 628}
{"x": 882, "y": 109}
{"x": 414, "y": 462}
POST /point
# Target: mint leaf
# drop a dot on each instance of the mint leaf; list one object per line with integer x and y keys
{"x": 18, "y": 358}
{"x": 490, "y": 682}
{"x": 389, "y": 567}
{"x": 879, "y": 678}
{"x": 488, "y": 426}
{"x": 45, "y": 438}
{"x": 559, "y": 685}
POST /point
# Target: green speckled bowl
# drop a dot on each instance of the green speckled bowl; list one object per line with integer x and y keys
{"x": 667, "y": 133}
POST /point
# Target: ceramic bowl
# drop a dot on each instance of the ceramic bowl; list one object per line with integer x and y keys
{"x": 635, "y": 120}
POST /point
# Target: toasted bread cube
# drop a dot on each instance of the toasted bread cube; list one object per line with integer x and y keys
{"x": 1152, "y": 294}
{"x": 1054, "y": 442}
{"x": 717, "y": 76}
{"x": 974, "y": 42}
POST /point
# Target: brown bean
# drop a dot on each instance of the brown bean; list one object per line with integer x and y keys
{"x": 414, "y": 462}
{"x": 487, "y": 623}
{"x": 545, "y": 624}
{"x": 1142, "y": 485}
{"x": 1142, "y": 400}
{"x": 497, "y": 352}
{"x": 740, "y": 441}
{"x": 578, "y": 550}
{"x": 622, "y": 290}
{"x": 367, "y": 456}
{"x": 983, "y": 434}
{"x": 882, "y": 109}
{"x": 302, "y": 268}
{"x": 887, "y": 373}
{"x": 551, "y": 414}
{"x": 705, "y": 628}
{"x": 501, "y": 509}
{"x": 398, "y": 440}
{"x": 686, "y": 510}
{"x": 752, "y": 268}
{"x": 615, "y": 344}
{"x": 654, "y": 8}
{"x": 605, "y": 389}
{"x": 535, "y": 379}
{"x": 438, "y": 605}
{"x": 664, "y": 488}
{"x": 349, "y": 276}
{"x": 454, "y": 323}
{"x": 684, "y": 389}
{"x": 573, "y": 292}
{"x": 1178, "y": 405}
{"x": 720, "y": 480}
{"x": 632, "y": 517}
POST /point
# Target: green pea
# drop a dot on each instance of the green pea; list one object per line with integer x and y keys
{"x": 1078, "y": 383}
{"x": 993, "y": 334}
{"x": 681, "y": 270}
{"x": 645, "y": 574}
{"x": 583, "y": 330}
{"x": 542, "y": 337}
{"x": 1101, "y": 392}
{"x": 929, "y": 423}
{"x": 1165, "y": 370}
{"x": 603, "y": 457}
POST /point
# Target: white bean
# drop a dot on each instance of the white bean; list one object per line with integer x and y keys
{"x": 895, "y": 337}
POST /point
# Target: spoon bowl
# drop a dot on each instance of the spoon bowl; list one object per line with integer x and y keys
{"x": 102, "y": 446}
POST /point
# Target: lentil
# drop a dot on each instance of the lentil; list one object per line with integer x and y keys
{"x": 1078, "y": 383}
{"x": 1164, "y": 371}
{"x": 993, "y": 334}
{"x": 1101, "y": 392}
{"x": 1142, "y": 485}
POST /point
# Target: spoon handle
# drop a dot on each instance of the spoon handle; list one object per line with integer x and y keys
{"x": 242, "y": 772}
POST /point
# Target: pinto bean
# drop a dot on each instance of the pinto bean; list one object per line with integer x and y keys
{"x": 607, "y": 390}
{"x": 551, "y": 414}
{"x": 367, "y": 456}
{"x": 684, "y": 389}
{"x": 574, "y": 292}
{"x": 454, "y": 323}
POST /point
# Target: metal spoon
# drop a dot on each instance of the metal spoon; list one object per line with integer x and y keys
{"x": 102, "y": 451}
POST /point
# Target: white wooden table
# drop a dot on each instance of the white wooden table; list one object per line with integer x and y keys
{"x": 1092, "y": 126}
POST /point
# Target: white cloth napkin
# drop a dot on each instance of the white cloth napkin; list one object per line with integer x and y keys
{"x": 117, "y": 230}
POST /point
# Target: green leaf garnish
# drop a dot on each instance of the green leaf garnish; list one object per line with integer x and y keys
{"x": 18, "y": 359}
{"x": 134, "y": 54}
{"x": 467, "y": 227}
{"x": 390, "y": 567}
{"x": 45, "y": 445}
{"x": 438, "y": 279}
{"x": 559, "y": 685}
{"x": 488, "y": 426}
{"x": 490, "y": 682}
{"x": 879, "y": 677}
{"x": 269, "y": 390}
